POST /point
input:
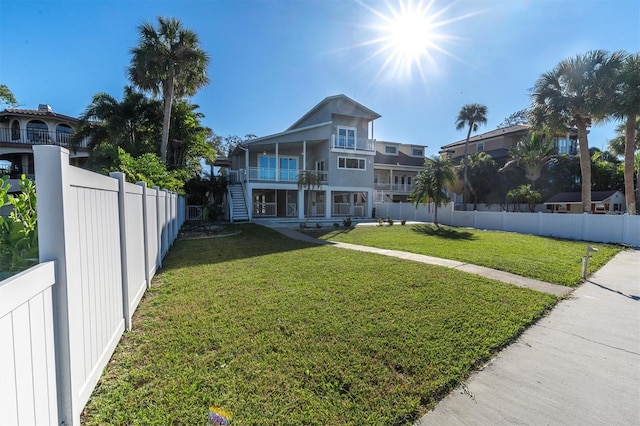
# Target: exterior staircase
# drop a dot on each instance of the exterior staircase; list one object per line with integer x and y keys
{"x": 238, "y": 205}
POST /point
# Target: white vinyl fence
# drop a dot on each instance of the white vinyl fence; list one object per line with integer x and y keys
{"x": 107, "y": 238}
{"x": 616, "y": 229}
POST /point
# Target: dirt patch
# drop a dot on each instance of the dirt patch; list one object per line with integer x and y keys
{"x": 199, "y": 230}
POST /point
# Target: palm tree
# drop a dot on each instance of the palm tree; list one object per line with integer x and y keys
{"x": 627, "y": 108}
{"x": 532, "y": 153}
{"x": 309, "y": 180}
{"x": 574, "y": 94}
{"x": 470, "y": 115}
{"x": 168, "y": 61}
{"x": 431, "y": 183}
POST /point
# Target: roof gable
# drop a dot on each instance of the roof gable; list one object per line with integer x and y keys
{"x": 35, "y": 113}
{"x": 505, "y": 131}
{"x": 334, "y": 105}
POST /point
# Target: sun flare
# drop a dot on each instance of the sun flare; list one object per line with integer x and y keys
{"x": 407, "y": 35}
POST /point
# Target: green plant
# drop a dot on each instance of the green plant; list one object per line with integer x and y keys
{"x": 336, "y": 225}
{"x": 389, "y": 221}
{"x": 346, "y": 222}
{"x": 403, "y": 222}
{"x": 18, "y": 231}
{"x": 318, "y": 226}
{"x": 380, "y": 221}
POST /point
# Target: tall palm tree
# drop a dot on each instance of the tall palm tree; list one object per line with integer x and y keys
{"x": 574, "y": 94}
{"x": 168, "y": 61}
{"x": 431, "y": 183}
{"x": 470, "y": 115}
{"x": 626, "y": 107}
{"x": 309, "y": 180}
{"x": 532, "y": 153}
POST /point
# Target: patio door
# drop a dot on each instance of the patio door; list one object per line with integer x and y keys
{"x": 267, "y": 167}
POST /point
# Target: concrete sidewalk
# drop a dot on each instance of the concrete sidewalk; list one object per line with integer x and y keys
{"x": 580, "y": 365}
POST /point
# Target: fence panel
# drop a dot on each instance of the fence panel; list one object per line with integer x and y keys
{"x": 28, "y": 393}
{"x": 151, "y": 231}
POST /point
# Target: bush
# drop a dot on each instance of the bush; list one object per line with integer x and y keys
{"x": 380, "y": 221}
{"x": 346, "y": 222}
{"x": 318, "y": 226}
{"x": 336, "y": 225}
{"x": 18, "y": 231}
{"x": 390, "y": 221}
{"x": 403, "y": 222}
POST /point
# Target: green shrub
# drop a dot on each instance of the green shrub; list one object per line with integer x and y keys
{"x": 380, "y": 221}
{"x": 336, "y": 225}
{"x": 346, "y": 222}
{"x": 403, "y": 222}
{"x": 18, "y": 231}
{"x": 389, "y": 221}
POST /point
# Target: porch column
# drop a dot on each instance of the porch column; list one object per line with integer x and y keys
{"x": 369, "y": 204}
{"x": 391, "y": 180}
{"x": 327, "y": 203}
{"x": 277, "y": 164}
{"x": 246, "y": 166}
{"x": 300, "y": 203}
{"x": 304, "y": 155}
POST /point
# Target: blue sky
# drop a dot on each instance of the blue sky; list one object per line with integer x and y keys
{"x": 272, "y": 60}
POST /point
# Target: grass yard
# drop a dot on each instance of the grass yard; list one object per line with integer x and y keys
{"x": 546, "y": 259}
{"x": 281, "y": 332}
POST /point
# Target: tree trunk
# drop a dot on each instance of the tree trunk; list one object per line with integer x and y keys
{"x": 629, "y": 151}
{"x": 464, "y": 179}
{"x": 435, "y": 215}
{"x": 585, "y": 167}
{"x": 166, "y": 122}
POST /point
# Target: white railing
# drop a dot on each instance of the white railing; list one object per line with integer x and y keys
{"x": 616, "y": 229}
{"x": 107, "y": 238}
{"x": 281, "y": 175}
{"x": 39, "y": 137}
{"x": 396, "y": 187}
{"x": 194, "y": 213}
{"x": 264, "y": 209}
{"x": 348, "y": 209}
{"x": 350, "y": 144}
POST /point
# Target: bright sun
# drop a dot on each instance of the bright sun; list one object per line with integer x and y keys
{"x": 408, "y": 33}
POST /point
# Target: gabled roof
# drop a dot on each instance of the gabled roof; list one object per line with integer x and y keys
{"x": 36, "y": 113}
{"x": 516, "y": 128}
{"x": 362, "y": 110}
{"x": 576, "y": 197}
{"x": 401, "y": 159}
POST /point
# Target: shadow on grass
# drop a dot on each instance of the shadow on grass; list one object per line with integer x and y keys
{"x": 443, "y": 232}
{"x": 244, "y": 241}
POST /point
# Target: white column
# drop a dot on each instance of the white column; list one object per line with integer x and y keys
{"x": 304, "y": 155}
{"x": 277, "y": 164}
{"x": 327, "y": 203}
{"x": 301, "y": 203}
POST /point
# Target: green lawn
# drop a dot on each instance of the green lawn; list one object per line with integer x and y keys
{"x": 546, "y": 259}
{"x": 280, "y": 332}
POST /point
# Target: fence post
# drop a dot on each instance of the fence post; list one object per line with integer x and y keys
{"x": 57, "y": 228}
{"x": 145, "y": 228}
{"x": 585, "y": 218}
{"x": 160, "y": 225}
{"x": 504, "y": 220}
{"x": 122, "y": 196}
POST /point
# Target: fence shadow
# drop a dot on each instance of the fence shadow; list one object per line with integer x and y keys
{"x": 444, "y": 232}
{"x": 628, "y": 296}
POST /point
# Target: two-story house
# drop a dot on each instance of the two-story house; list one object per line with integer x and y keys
{"x": 21, "y": 129}
{"x": 334, "y": 140}
{"x": 498, "y": 142}
{"x": 395, "y": 168}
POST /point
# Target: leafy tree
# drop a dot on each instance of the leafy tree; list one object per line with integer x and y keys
{"x": 18, "y": 231}
{"x": 532, "y": 153}
{"x": 574, "y": 94}
{"x": 309, "y": 180}
{"x": 431, "y": 183}
{"x": 518, "y": 117}
{"x": 470, "y": 115}
{"x": 188, "y": 144}
{"x": 626, "y": 107}
{"x": 561, "y": 175}
{"x": 132, "y": 124}
{"x": 606, "y": 172}
{"x": 6, "y": 97}
{"x": 168, "y": 61}
{"x": 524, "y": 194}
{"x": 482, "y": 175}
{"x": 616, "y": 146}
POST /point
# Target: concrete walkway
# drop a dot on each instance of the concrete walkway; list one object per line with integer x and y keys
{"x": 580, "y": 365}
{"x": 507, "y": 277}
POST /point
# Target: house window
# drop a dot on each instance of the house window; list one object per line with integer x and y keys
{"x": 63, "y": 133}
{"x": 480, "y": 146}
{"x": 288, "y": 168}
{"x": 267, "y": 168}
{"x": 417, "y": 152}
{"x": 391, "y": 150}
{"x": 320, "y": 166}
{"x": 351, "y": 163}
{"x": 37, "y": 132}
{"x": 15, "y": 131}
{"x": 346, "y": 137}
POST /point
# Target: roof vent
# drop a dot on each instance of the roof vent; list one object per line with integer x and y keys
{"x": 44, "y": 108}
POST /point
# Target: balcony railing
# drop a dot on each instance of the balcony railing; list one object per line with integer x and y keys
{"x": 279, "y": 175}
{"x": 38, "y": 137}
{"x": 353, "y": 144}
{"x": 394, "y": 187}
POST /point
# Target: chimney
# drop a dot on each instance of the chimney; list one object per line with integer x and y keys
{"x": 44, "y": 108}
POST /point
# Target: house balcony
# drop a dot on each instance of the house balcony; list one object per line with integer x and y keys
{"x": 348, "y": 145}
{"x": 260, "y": 174}
{"x": 38, "y": 137}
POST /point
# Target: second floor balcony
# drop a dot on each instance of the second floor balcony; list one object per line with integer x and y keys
{"x": 405, "y": 188}
{"x": 38, "y": 137}
{"x": 352, "y": 144}
{"x": 263, "y": 174}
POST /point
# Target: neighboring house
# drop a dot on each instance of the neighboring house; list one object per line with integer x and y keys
{"x": 334, "y": 139}
{"x": 602, "y": 202}
{"x": 497, "y": 144}
{"x": 395, "y": 167}
{"x": 20, "y": 129}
